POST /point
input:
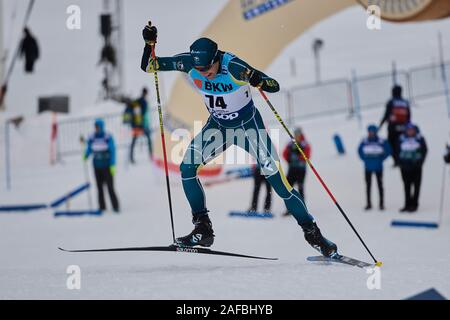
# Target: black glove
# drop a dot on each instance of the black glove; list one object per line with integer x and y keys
{"x": 255, "y": 78}
{"x": 150, "y": 33}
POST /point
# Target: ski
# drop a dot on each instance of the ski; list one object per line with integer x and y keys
{"x": 341, "y": 259}
{"x": 174, "y": 248}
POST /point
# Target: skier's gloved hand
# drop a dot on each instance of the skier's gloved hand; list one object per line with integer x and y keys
{"x": 150, "y": 33}
{"x": 112, "y": 170}
{"x": 255, "y": 78}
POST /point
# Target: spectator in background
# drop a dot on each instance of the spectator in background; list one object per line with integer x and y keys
{"x": 413, "y": 151}
{"x": 397, "y": 114}
{"x": 101, "y": 145}
{"x": 136, "y": 115}
{"x": 259, "y": 179}
{"x": 373, "y": 150}
{"x": 30, "y": 50}
{"x": 296, "y": 162}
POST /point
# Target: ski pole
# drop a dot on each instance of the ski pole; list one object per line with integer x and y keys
{"x": 86, "y": 174}
{"x": 441, "y": 206}
{"x": 377, "y": 263}
{"x": 163, "y": 140}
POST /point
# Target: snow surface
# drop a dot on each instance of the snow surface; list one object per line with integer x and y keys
{"x": 414, "y": 260}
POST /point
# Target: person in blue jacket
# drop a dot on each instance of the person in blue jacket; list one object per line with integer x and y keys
{"x": 101, "y": 145}
{"x": 373, "y": 150}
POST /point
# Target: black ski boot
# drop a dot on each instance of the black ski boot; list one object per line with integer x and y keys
{"x": 317, "y": 240}
{"x": 202, "y": 235}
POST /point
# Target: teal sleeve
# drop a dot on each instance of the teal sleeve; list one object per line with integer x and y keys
{"x": 239, "y": 69}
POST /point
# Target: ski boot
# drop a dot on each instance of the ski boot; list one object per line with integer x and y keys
{"x": 315, "y": 238}
{"x": 202, "y": 235}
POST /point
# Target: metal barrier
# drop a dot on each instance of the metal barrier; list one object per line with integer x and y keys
{"x": 426, "y": 81}
{"x": 328, "y": 97}
{"x": 70, "y": 131}
{"x": 279, "y": 99}
{"x": 375, "y": 90}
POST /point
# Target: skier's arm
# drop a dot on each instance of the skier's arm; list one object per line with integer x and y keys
{"x": 242, "y": 71}
{"x": 180, "y": 62}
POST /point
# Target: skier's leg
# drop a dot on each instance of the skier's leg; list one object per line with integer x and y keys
{"x": 260, "y": 146}
{"x": 101, "y": 196}
{"x": 208, "y": 144}
{"x": 291, "y": 178}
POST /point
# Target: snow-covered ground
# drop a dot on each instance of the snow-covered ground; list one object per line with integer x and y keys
{"x": 414, "y": 260}
{"x": 31, "y": 266}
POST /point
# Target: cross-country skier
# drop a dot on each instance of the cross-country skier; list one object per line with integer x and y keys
{"x": 223, "y": 80}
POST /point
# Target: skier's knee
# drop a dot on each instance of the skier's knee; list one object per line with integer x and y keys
{"x": 188, "y": 170}
{"x": 282, "y": 188}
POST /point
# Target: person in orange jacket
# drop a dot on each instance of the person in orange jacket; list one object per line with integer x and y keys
{"x": 297, "y": 164}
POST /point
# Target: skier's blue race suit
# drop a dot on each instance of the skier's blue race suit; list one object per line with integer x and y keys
{"x": 233, "y": 119}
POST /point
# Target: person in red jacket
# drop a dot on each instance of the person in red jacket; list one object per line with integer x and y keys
{"x": 297, "y": 164}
